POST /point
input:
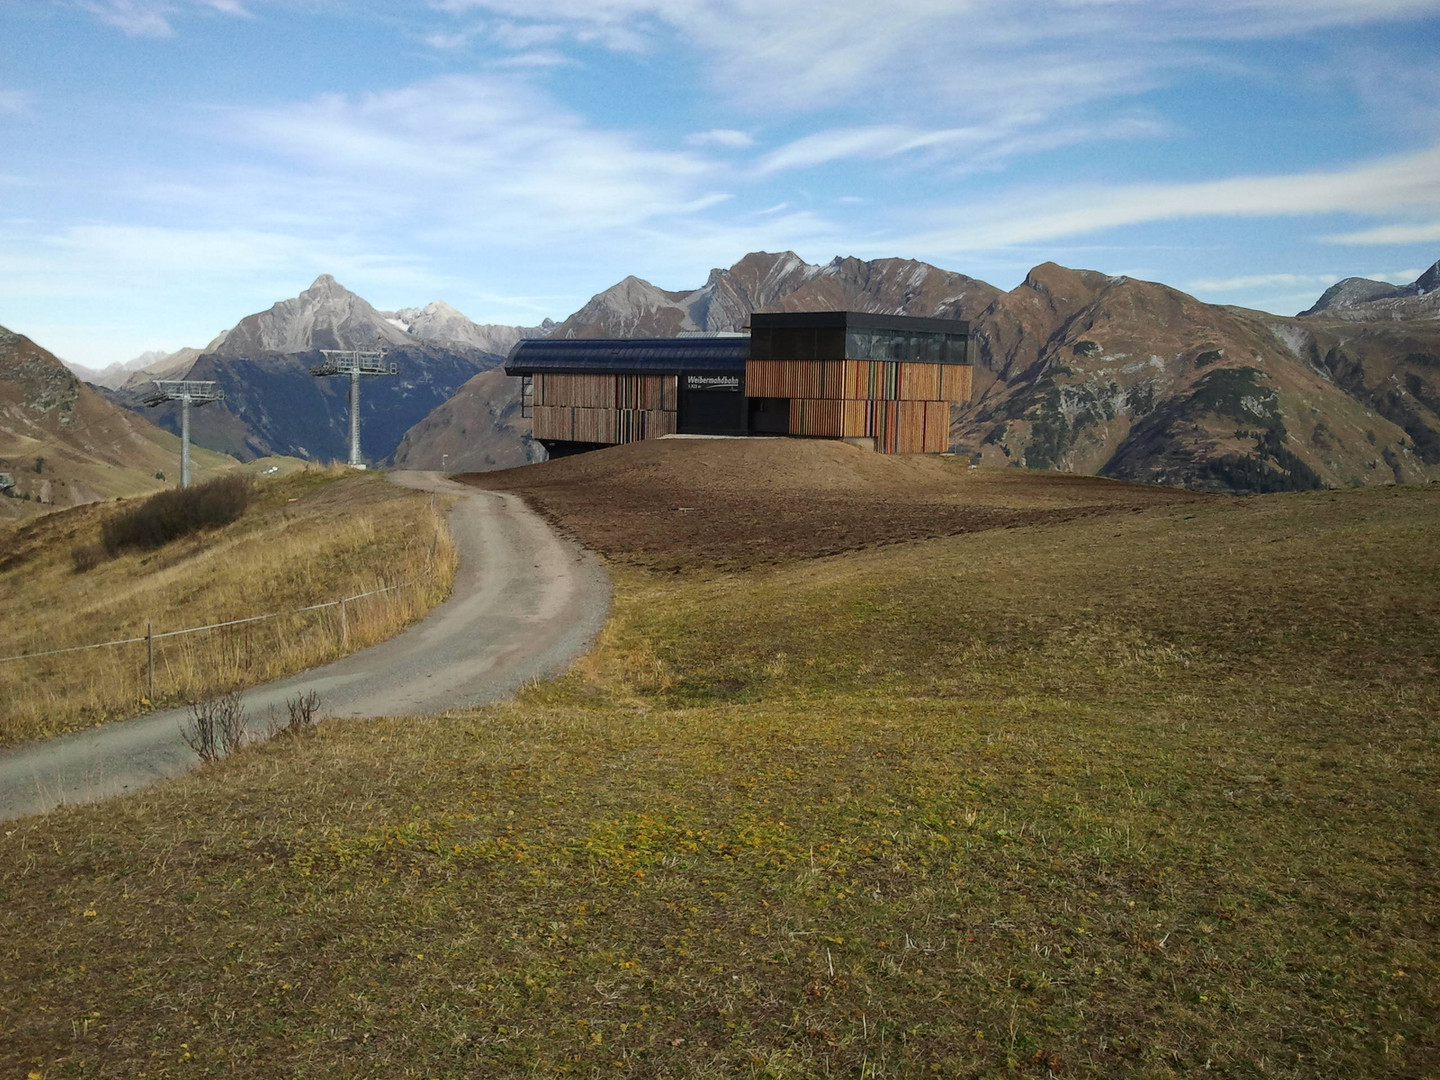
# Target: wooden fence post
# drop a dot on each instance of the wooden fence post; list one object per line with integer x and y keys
{"x": 344, "y": 626}
{"x": 150, "y": 656}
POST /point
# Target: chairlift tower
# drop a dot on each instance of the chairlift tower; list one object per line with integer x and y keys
{"x": 355, "y": 363}
{"x": 188, "y": 392}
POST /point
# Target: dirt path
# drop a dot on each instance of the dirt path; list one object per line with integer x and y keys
{"x": 525, "y": 604}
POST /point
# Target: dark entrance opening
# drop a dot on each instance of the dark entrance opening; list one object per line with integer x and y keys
{"x": 711, "y": 403}
{"x": 769, "y": 416}
{"x": 557, "y": 448}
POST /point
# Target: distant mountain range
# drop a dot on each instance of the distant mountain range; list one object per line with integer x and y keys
{"x": 441, "y": 324}
{"x": 1078, "y": 371}
{"x": 155, "y": 364}
{"x": 273, "y": 405}
{"x": 1085, "y": 372}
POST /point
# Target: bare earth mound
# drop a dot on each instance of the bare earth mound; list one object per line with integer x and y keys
{"x": 733, "y": 503}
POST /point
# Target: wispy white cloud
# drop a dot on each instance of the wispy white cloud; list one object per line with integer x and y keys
{"x": 614, "y": 24}
{"x": 1258, "y": 281}
{"x": 536, "y": 58}
{"x": 726, "y": 138}
{"x": 1410, "y": 233}
{"x": 447, "y": 40}
{"x": 525, "y": 36}
{"x": 1403, "y": 183}
{"x": 823, "y": 147}
{"x": 155, "y": 18}
{"x": 491, "y": 155}
{"x": 812, "y": 53}
{"x": 981, "y": 146}
{"x": 14, "y": 102}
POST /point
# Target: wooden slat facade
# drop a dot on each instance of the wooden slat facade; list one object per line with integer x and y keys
{"x": 903, "y": 405}
{"x": 852, "y": 380}
{"x": 652, "y": 393}
{"x": 601, "y": 425}
{"x": 898, "y": 427}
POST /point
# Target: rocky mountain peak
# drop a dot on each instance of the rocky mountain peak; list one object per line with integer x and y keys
{"x": 1351, "y": 297}
{"x": 325, "y": 316}
{"x": 325, "y": 285}
{"x": 443, "y": 325}
{"x": 1058, "y": 288}
{"x": 1429, "y": 281}
{"x": 1349, "y": 292}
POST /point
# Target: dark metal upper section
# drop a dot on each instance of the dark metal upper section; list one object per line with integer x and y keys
{"x": 195, "y": 391}
{"x": 856, "y": 320}
{"x": 628, "y": 356}
{"x": 855, "y": 335}
{"x": 354, "y": 362}
{"x": 785, "y": 335}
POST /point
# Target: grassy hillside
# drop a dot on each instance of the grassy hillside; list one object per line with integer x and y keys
{"x": 1143, "y": 793}
{"x": 307, "y": 538}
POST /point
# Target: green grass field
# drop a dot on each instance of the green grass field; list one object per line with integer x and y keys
{"x": 1145, "y": 795}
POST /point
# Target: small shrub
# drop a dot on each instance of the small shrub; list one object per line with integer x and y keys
{"x": 304, "y": 712}
{"x": 169, "y": 515}
{"x": 217, "y": 727}
{"x": 85, "y": 557}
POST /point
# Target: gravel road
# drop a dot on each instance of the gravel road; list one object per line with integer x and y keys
{"x": 525, "y": 604}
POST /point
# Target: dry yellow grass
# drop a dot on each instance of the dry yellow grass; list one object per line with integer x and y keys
{"x": 1133, "y": 797}
{"x": 306, "y": 539}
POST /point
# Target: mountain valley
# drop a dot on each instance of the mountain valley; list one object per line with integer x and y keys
{"x": 1077, "y": 371}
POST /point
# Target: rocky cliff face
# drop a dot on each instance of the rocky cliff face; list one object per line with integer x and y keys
{"x": 1139, "y": 381}
{"x": 440, "y": 324}
{"x": 324, "y": 316}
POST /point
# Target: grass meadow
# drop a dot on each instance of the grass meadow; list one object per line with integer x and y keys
{"x": 306, "y": 538}
{"x": 1147, "y": 795}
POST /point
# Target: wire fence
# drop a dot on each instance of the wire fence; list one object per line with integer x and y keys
{"x": 152, "y": 637}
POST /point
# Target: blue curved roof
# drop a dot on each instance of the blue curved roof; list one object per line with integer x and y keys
{"x": 655, "y": 356}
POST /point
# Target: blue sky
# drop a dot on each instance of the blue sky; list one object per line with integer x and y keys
{"x": 173, "y": 165}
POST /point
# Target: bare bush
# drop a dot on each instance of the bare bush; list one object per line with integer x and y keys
{"x": 85, "y": 557}
{"x": 178, "y": 512}
{"x": 303, "y": 709}
{"x": 217, "y": 726}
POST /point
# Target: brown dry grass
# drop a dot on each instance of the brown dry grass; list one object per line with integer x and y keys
{"x": 736, "y": 503}
{"x": 306, "y": 539}
{"x": 1147, "y": 795}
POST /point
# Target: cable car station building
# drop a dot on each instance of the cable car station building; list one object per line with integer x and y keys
{"x": 888, "y": 380}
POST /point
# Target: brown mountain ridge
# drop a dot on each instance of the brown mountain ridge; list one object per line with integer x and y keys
{"x": 64, "y": 444}
{"x": 1090, "y": 373}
